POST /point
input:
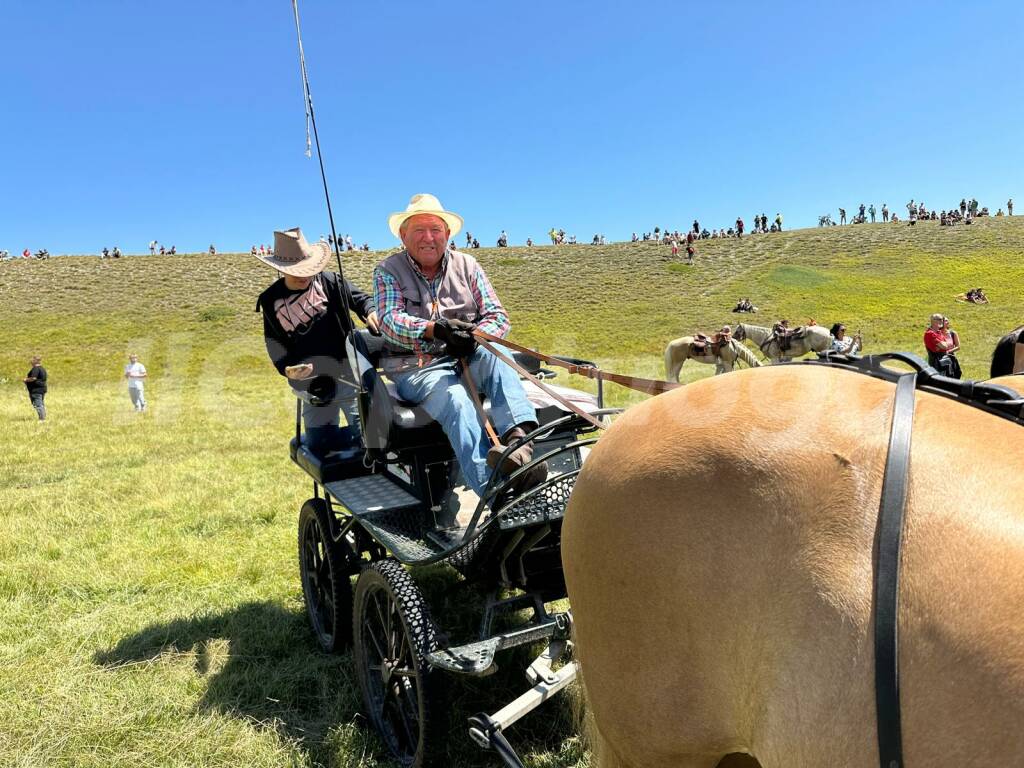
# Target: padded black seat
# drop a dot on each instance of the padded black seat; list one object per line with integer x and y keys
{"x": 391, "y": 425}
{"x": 327, "y": 469}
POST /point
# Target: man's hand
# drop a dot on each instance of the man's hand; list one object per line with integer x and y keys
{"x": 297, "y": 372}
{"x": 373, "y": 323}
{"x": 457, "y": 336}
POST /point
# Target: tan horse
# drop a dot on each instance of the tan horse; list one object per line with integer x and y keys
{"x": 680, "y": 350}
{"x": 813, "y": 338}
{"x": 718, "y": 549}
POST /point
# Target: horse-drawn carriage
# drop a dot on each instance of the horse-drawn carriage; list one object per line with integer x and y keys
{"x": 395, "y": 505}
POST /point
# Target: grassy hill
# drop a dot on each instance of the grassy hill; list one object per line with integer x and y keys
{"x": 152, "y": 610}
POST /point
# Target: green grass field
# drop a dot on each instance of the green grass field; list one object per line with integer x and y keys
{"x": 152, "y": 611}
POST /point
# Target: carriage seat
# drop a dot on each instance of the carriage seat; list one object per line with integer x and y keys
{"x": 336, "y": 465}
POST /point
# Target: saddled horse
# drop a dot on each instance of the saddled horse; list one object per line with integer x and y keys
{"x": 807, "y": 338}
{"x": 722, "y": 356}
{"x": 719, "y": 554}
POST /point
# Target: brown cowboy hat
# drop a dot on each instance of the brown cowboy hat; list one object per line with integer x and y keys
{"x": 294, "y": 256}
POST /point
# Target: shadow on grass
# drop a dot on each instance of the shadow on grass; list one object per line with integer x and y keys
{"x": 261, "y": 664}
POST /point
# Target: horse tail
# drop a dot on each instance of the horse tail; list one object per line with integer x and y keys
{"x": 744, "y": 354}
{"x": 672, "y": 366}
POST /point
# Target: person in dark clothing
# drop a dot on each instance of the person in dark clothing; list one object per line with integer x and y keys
{"x": 305, "y": 328}
{"x": 35, "y": 382}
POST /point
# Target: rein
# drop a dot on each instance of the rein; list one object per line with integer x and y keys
{"x": 648, "y": 386}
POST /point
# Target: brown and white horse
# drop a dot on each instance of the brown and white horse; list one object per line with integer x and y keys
{"x": 718, "y": 550}
{"x": 678, "y": 351}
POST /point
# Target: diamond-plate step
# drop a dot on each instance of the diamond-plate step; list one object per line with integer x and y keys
{"x": 370, "y": 494}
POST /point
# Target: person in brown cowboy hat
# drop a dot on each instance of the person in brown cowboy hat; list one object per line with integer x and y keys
{"x": 430, "y": 297}
{"x": 304, "y": 328}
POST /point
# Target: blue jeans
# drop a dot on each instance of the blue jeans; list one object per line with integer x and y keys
{"x": 37, "y": 402}
{"x": 321, "y": 423}
{"x": 138, "y": 398}
{"x": 438, "y": 388}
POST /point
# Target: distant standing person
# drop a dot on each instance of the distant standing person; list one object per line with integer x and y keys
{"x": 871, "y": 212}
{"x": 885, "y": 212}
{"x": 939, "y": 343}
{"x": 35, "y": 382}
{"x": 842, "y": 215}
{"x": 135, "y": 373}
{"x": 1009, "y": 206}
{"x": 778, "y": 221}
{"x": 691, "y": 238}
{"x": 213, "y": 251}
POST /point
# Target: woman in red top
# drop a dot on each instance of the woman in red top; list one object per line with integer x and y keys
{"x": 940, "y": 346}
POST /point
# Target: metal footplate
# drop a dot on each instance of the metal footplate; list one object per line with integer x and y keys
{"x": 478, "y": 658}
{"x": 370, "y": 493}
{"x": 487, "y": 730}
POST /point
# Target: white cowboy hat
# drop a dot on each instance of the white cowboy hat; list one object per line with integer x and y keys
{"x": 294, "y": 256}
{"x": 424, "y": 203}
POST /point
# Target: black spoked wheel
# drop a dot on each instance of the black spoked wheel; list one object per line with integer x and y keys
{"x": 324, "y": 569}
{"x": 394, "y": 634}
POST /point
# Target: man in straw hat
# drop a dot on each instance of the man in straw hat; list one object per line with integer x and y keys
{"x": 430, "y": 297}
{"x": 305, "y": 328}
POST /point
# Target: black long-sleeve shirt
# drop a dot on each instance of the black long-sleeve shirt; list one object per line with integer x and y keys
{"x": 39, "y": 385}
{"x": 322, "y": 342}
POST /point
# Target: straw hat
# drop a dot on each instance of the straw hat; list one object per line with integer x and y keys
{"x": 424, "y": 203}
{"x": 295, "y": 257}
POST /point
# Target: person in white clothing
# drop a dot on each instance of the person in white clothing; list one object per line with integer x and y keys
{"x": 135, "y": 372}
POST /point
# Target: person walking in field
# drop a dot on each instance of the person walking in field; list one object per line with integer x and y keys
{"x": 35, "y": 383}
{"x": 135, "y": 373}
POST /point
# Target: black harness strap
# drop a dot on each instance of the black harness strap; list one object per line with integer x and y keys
{"x": 887, "y": 578}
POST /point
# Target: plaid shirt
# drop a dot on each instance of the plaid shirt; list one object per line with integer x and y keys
{"x": 407, "y": 331}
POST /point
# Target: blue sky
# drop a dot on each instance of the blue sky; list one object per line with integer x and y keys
{"x": 127, "y": 121}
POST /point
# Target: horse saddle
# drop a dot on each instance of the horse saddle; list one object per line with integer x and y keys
{"x": 785, "y": 336}
{"x": 710, "y": 345}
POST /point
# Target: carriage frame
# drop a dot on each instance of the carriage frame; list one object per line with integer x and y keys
{"x": 383, "y": 511}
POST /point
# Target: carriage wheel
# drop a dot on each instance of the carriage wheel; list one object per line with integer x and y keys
{"x": 324, "y": 569}
{"x": 394, "y": 634}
